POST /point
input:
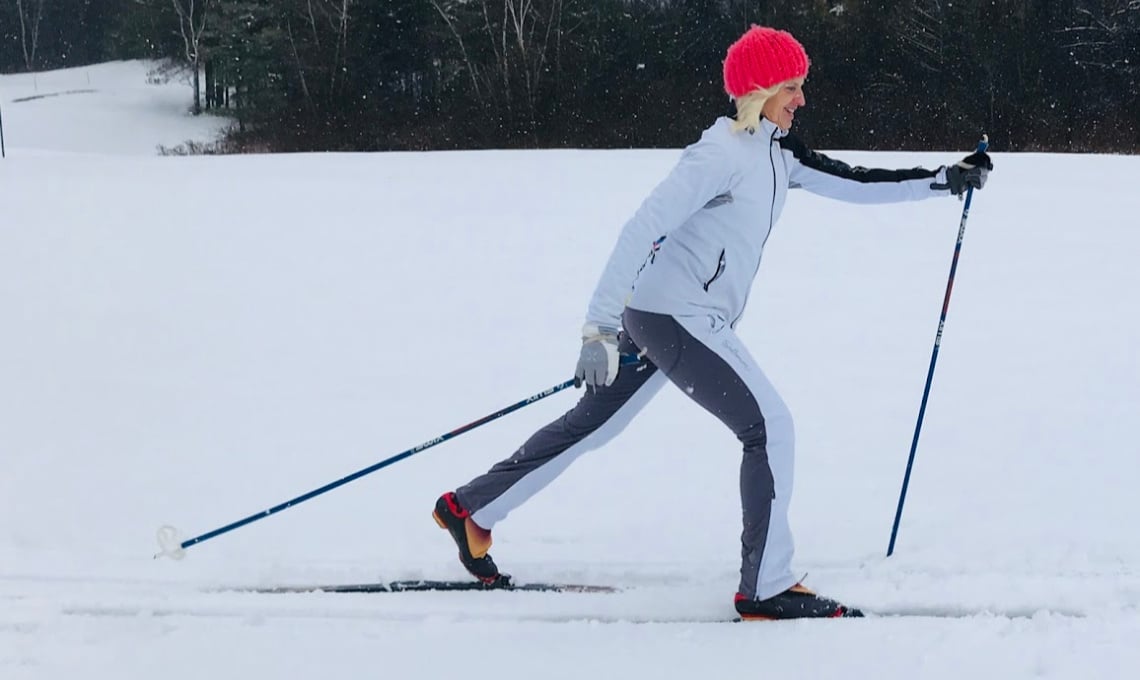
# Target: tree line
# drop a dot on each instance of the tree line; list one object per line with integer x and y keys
{"x": 1059, "y": 75}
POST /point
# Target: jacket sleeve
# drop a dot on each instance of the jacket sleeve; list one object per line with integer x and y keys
{"x": 704, "y": 171}
{"x": 825, "y": 176}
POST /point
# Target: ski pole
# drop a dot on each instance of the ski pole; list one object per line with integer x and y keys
{"x": 169, "y": 538}
{"x": 982, "y": 145}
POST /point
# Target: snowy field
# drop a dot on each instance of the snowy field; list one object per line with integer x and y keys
{"x": 119, "y": 108}
{"x": 192, "y": 340}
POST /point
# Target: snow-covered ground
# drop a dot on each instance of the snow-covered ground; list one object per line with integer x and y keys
{"x": 120, "y": 108}
{"x": 192, "y": 340}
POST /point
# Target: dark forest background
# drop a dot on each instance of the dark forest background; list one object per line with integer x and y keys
{"x": 1036, "y": 75}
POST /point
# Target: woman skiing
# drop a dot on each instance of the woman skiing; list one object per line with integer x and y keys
{"x": 671, "y": 295}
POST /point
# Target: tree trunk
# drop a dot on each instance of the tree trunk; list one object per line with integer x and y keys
{"x": 197, "y": 89}
{"x": 209, "y": 69}
{"x": 31, "y": 13}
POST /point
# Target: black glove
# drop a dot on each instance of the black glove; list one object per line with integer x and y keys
{"x": 971, "y": 171}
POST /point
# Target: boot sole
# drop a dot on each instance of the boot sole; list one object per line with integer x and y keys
{"x": 838, "y": 614}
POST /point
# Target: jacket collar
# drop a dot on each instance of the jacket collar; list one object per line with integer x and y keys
{"x": 771, "y": 130}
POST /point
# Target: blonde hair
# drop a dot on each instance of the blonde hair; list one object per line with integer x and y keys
{"x": 750, "y": 108}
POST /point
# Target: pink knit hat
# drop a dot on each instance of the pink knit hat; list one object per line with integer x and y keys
{"x": 761, "y": 58}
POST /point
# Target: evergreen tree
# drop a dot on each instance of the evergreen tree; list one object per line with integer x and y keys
{"x": 426, "y": 74}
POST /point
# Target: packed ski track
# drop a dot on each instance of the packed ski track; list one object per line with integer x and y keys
{"x": 192, "y": 340}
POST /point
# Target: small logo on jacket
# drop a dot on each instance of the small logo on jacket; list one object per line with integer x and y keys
{"x": 651, "y": 258}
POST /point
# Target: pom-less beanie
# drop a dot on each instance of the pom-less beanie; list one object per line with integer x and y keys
{"x": 761, "y": 58}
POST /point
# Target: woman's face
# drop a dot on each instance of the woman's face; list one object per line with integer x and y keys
{"x": 781, "y": 107}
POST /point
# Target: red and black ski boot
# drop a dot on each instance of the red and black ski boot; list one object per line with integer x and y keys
{"x": 796, "y": 602}
{"x": 473, "y": 540}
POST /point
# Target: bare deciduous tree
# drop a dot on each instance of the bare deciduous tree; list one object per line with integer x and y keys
{"x": 325, "y": 34}
{"x": 923, "y": 35}
{"x": 192, "y": 16}
{"x": 508, "y": 64}
{"x": 31, "y": 14}
{"x": 1105, "y": 35}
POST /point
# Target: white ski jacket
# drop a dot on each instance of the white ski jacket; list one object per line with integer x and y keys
{"x": 694, "y": 246}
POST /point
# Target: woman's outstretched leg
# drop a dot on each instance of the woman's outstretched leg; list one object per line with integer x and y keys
{"x": 472, "y": 510}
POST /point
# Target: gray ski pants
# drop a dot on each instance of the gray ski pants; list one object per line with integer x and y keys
{"x": 706, "y": 360}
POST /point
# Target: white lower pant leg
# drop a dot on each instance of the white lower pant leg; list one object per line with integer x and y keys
{"x": 773, "y": 572}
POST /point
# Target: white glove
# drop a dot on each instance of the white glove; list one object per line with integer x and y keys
{"x": 598, "y": 362}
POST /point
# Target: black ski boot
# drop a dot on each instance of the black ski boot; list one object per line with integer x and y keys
{"x": 796, "y": 602}
{"x": 473, "y": 540}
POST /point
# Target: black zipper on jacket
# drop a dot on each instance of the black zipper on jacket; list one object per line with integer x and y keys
{"x": 720, "y": 264}
{"x": 771, "y": 208}
{"x": 771, "y": 226}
